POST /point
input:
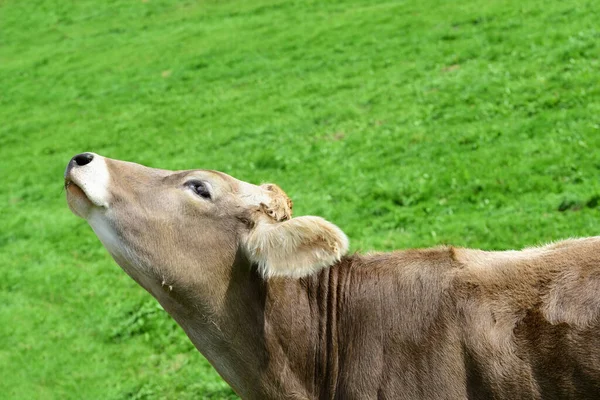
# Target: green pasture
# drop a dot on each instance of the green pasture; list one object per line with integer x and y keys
{"x": 407, "y": 123}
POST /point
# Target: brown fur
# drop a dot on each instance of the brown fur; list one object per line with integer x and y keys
{"x": 442, "y": 323}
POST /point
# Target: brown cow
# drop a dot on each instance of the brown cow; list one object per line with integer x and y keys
{"x": 280, "y": 310}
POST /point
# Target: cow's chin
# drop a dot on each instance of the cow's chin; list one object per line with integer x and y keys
{"x": 78, "y": 201}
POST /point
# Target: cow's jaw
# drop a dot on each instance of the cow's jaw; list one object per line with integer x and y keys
{"x": 107, "y": 235}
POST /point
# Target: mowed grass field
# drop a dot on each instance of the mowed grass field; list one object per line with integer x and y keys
{"x": 407, "y": 123}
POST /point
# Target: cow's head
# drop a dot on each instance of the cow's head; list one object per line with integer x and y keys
{"x": 186, "y": 225}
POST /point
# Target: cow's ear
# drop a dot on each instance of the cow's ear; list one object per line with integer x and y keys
{"x": 295, "y": 248}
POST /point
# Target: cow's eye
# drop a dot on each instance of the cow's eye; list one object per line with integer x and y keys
{"x": 199, "y": 188}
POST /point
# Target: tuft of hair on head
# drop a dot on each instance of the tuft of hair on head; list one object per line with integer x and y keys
{"x": 296, "y": 247}
{"x": 279, "y": 207}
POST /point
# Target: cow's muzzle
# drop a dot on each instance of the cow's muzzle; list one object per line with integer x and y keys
{"x": 86, "y": 183}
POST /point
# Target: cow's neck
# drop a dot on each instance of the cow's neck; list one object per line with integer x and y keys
{"x": 268, "y": 337}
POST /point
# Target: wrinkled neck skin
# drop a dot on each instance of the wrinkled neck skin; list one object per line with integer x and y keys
{"x": 258, "y": 339}
{"x": 255, "y": 332}
{"x": 258, "y": 336}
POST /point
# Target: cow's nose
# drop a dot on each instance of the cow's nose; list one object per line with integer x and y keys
{"x": 83, "y": 159}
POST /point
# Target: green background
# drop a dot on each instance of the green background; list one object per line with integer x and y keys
{"x": 407, "y": 123}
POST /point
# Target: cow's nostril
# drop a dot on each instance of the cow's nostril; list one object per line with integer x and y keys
{"x": 83, "y": 158}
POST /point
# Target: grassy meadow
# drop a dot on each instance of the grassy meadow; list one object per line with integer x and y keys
{"x": 407, "y": 123}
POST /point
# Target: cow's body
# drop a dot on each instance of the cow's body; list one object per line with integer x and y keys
{"x": 455, "y": 324}
{"x": 441, "y": 323}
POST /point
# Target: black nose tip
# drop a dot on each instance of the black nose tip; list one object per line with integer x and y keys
{"x": 83, "y": 159}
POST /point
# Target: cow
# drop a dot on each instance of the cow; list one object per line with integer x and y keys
{"x": 282, "y": 311}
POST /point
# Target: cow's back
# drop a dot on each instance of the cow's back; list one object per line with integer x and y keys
{"x": 530, "y": 323}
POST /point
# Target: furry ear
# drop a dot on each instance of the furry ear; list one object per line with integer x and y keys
{"x": 295, "y": 248}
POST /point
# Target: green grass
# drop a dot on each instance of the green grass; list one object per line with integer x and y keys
{"x": 407, "y": 123}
